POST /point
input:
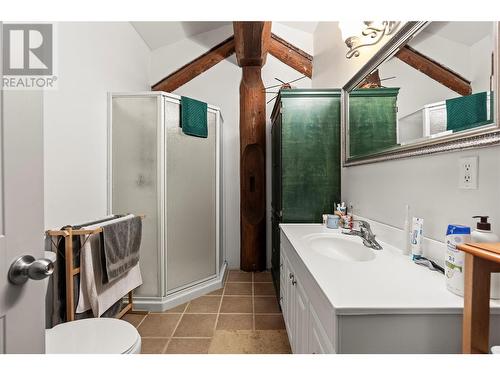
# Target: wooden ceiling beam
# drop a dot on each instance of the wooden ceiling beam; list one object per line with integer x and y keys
{"x": 434, "y": 70}
{"x": 251, "y": 42}
{"x": 372, "y": 80}
{"x": 292, "y": 56}
{"x": 196, "y": 67}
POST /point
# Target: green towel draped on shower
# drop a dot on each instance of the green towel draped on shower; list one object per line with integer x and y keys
{"x": 467, "y": 112}
{"x": 194, "y": 117}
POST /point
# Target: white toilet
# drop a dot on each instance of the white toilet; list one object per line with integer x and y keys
{"x": 92, "y": 336}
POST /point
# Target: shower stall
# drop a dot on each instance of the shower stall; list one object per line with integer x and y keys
{"x": 175, "y": 180}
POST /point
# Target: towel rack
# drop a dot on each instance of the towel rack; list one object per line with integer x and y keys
{"x": 67, "y": 233}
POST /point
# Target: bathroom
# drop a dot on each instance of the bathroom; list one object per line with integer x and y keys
{"x": 310, "y": 217}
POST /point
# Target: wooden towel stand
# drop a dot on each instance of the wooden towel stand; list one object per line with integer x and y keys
{"x": 72, "y": 271}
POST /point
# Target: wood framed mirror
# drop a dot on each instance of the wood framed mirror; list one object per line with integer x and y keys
{"x": 431, "y": 88}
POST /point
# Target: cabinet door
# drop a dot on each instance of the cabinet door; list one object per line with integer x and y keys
{"x": 301, "y": 310}
{"x": 310, "y": 158}
{"x": 318, "y": 339}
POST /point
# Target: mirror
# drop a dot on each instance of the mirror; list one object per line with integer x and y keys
{"x": 430, "y": 85}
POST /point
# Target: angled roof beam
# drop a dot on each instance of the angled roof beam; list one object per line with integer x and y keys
{"x": 435, "y": 70}
{"x": 196, "y": 67}
{"x": 292, "y": 56}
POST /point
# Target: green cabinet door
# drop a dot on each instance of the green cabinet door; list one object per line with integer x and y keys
{"x": 372, "y": 121}
{"x": 310, "y": 157}
{"x": 305, "y": 161}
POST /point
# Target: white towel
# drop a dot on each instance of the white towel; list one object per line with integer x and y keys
{"x": 93, "y": 293}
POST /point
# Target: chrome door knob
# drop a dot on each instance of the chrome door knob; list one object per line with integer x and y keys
{"x": 26, "y": 267}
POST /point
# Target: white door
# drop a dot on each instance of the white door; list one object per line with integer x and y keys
{"x": 22, "y": 307}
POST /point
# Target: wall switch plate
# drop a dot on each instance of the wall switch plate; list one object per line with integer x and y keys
{"x": 467, "y": 175}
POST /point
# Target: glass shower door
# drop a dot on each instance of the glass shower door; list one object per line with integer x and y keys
{"x": 134, "y": 158}
{"x": 191, "y": 224}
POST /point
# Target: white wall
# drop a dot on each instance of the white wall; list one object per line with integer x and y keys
{"x": 480, "y": 68}
{"x": 429, "y": 184}
{"x": 220, "y": 86}
{"x": 93, "y": 59}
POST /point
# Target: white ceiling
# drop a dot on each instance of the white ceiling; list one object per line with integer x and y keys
{"x": 308, "y": 27}
{"x": 467, "y": 33}
{"x": 159, "y": 34}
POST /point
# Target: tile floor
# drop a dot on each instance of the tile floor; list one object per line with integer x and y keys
{"x": 241, "y": 317}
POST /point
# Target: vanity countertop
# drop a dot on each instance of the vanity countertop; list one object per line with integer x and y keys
{"x": 389, "y": 284}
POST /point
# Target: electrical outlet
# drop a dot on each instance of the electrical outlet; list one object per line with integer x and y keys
{"x": 467, "y": 175}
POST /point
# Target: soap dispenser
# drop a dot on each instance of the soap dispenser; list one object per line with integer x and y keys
{"x": 483, "y": 232}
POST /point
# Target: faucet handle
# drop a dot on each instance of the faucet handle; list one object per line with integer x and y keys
{"x": 363, "y": 224}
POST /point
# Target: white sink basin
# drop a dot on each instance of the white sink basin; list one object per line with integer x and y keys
{"x": 345, "y": 249}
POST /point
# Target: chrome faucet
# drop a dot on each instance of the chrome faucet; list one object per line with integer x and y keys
{"x": 366, "y": 234}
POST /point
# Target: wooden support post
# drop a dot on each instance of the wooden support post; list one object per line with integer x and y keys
{"x": 251, "y": 45}
{"x": 253, "y": 170}
{"x": 476, "y": 321}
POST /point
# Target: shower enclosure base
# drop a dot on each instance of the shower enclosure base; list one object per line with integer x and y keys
{"x": 175, "y": 298}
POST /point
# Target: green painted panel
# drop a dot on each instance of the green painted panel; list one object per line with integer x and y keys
{"x": 372, "y": 121}
{"x": 310, "y": 157}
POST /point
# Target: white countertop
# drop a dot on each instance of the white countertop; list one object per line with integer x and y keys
{"x": 389, "y": 284}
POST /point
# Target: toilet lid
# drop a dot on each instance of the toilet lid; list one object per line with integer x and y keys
{"x": 92, "y": 336}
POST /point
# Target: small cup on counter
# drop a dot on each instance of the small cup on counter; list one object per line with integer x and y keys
{"x": 332, "y": 221}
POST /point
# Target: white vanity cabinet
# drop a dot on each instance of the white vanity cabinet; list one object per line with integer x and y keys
{"x": 301, "y": 300}
{"x": 367, "y": 307}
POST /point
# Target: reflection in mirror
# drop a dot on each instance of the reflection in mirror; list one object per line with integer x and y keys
{"x": 439, "y": 84}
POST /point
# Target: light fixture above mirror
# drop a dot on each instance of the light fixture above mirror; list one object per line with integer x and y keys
{"x": 371, "y": 33}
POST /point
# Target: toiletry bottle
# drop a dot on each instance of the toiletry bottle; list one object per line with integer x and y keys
{"x": 406, "y": 232}
{"x": 342, "y": 208}
{"x": 417, "y": 230}
{"x": 483, "y": 234}
{"x": 350, "y": 215}
{"x": 341, "y": 212}
{"x": 454, "y": 261}
{"x": 347, "y": 218}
